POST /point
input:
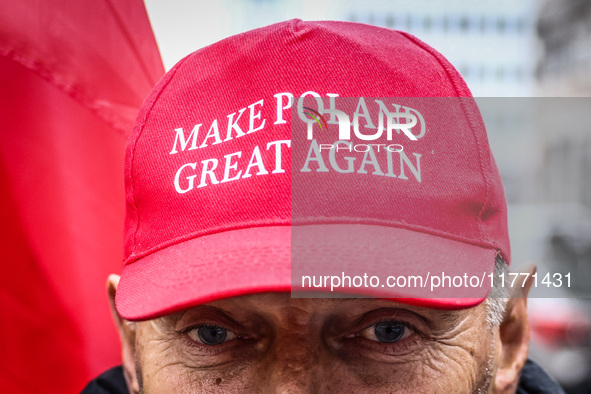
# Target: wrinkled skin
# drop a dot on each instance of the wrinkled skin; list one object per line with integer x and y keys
{"x": 277, "y": 344}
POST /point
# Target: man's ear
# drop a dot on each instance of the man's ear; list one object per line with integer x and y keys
{"x": 514, "y": 335}
{"x": 126, "y": 331}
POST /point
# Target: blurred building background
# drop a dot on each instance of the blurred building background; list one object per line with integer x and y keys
{"x": 529, "y": 64}
{"x": 564, "y": 29}
{"x": 491, "y": 43}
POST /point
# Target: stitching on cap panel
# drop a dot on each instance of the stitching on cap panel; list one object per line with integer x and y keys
{"x": 453, "y": 81}
{"x": 132, "y": 153}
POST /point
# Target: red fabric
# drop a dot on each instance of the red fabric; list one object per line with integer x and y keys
{"x": 72, "y": 76}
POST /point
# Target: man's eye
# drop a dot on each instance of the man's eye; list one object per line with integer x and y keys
{"x": 210, "y": 334}
{"x": 387, "y": 332}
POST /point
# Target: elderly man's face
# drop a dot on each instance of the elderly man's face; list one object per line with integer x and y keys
{"x": 271, "y": 343}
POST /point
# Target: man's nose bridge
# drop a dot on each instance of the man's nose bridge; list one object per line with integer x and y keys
{"x": 293, "y": 364}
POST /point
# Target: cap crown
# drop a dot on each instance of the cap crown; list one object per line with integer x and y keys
{"x": 222, "y": 111}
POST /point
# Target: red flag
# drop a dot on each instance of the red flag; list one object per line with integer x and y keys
{"x": 72, "y": 76}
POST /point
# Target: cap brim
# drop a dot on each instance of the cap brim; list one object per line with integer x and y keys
{"x": 274, "y": 258}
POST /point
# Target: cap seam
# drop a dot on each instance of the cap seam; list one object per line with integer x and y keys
{"x": 436, "y": 55}
{"x": 327, "y": 28}
{"x": 484, "y": 176}
{"x": 328, "y": 220}
{"x": 452, "y": 78}
{"x": 133, "y": 149}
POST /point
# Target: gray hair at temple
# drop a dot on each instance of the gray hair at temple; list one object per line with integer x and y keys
{"x": 496, "y": 302}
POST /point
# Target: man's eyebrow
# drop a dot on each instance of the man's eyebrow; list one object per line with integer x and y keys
{"x": 452, "y": 317}
{"x": 448, "y": 317}
{"x": 173, "y": 318}
{"x": 167, "y": 320}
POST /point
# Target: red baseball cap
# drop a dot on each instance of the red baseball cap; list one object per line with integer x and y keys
{"x": 232, "y": 186}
